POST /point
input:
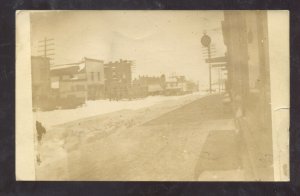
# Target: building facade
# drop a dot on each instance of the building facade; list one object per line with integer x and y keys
{"x": 148, "y": 85}
{"x": 118, "y": 79}
{"x": 248, "y": 83}
{"x": 40, "y": 75}
{"x": 94, "y": 79}
{"x": 179, "y": 85}
{"x": 68, "y": 84}
{"x": 78, "y": 82}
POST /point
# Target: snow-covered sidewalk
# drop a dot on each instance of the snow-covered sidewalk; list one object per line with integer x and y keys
{"x": 98, "y": 107}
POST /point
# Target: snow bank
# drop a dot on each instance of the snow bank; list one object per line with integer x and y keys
{"x": 93, "y": 108}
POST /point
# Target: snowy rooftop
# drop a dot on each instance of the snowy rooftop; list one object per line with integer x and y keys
{"x": 67, "y": 69}
{"x": 81, "y": 66}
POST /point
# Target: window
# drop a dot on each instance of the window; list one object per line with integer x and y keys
{"x": 92, "y": 76}
{"x": 114, "y": 75}
{"x": 42, "y": 72}
{"x": 80, "y": 87}
{"x": 65, "y": 77}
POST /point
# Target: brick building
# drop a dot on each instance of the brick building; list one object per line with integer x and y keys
{"x": 118, "y": 79}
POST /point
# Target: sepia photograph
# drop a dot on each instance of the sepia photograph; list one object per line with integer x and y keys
{"x": 120, "y": 95}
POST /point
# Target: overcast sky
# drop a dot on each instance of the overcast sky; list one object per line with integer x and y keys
{"x": 160, "y": 42}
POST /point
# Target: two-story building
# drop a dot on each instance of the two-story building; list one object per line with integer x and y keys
{"x": 94, "y": 78}
{"x": 78, "y": 81}
{"x": 68, "y": 82}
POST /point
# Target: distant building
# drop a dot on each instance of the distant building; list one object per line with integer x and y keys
{"x": 40, "y": 73}
{"x": 148, "y": 85}
{"x": 191, "y": 87}
{"x": 175, "y": 85}
{"x": 118, "y": 79}
{"x": 178, "y": 85}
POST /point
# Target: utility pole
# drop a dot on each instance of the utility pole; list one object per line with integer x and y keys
{"x": 45, "y": 46}
{"x": 206, "y": 40}
{"x": 209, "y": 66}
{"x": 219, "y": 72}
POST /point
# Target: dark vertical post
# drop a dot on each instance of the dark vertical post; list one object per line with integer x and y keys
{"x": 219, "y": 73}
{"x": 45, "y": 48}
{"x": 206, "y": 40}
{"x": 209, "y": 66}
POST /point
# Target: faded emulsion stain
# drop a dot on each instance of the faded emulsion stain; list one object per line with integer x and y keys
{"x": 152, "y": 96}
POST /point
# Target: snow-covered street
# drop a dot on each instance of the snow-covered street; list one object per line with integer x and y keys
{"x": 151, "y": 143}
{"x": 98, "y": 107}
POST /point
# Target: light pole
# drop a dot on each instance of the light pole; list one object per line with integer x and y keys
{"x": 205, "y": 41}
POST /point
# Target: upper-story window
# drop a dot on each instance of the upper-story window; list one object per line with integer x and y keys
{"x": 92, "y": 76}
{"x": 114, "y": 75}
{"x": 80, "y": 87}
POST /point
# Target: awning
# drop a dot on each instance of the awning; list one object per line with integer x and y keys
{"x": 222, "y": 59}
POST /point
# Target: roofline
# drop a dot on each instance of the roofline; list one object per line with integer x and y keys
{"x": 82, "y": 61}
{"x": 119, "y": 61}
{"x": 70, "y": 80}
{"x": 67, "y": 64}
{"x": 94, "y": 59}
{"x": 40, "y": 57}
